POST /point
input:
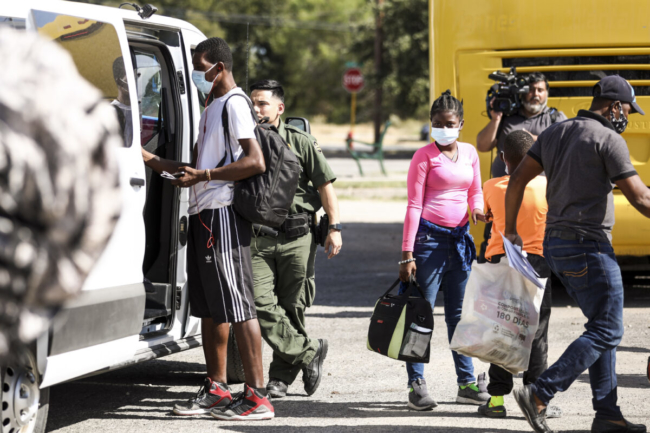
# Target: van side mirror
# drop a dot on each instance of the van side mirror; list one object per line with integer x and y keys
{"x": 300, "y": 123}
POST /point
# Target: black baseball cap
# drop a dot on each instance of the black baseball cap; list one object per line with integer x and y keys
{"x": 617, "y": 88}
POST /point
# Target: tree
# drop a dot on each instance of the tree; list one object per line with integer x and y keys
{"x": 304, "y": 44}
{"x": 405, "y": 60}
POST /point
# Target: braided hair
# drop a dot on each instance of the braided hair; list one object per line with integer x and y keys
{"x": 447, "y": 103}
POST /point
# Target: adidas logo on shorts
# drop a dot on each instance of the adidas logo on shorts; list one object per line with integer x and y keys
{"x": 208, "y": 259}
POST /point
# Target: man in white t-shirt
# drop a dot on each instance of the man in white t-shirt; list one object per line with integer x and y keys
{"x": 219, "y": 270}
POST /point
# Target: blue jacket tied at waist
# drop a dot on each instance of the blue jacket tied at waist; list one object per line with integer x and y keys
{"x": 464, "y": 241}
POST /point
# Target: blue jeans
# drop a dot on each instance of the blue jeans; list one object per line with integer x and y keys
{"x": 590, "y": 273}
{"x": 439, "y": 266}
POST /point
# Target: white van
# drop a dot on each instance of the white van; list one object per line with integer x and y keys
{"x": 134, "y": 304}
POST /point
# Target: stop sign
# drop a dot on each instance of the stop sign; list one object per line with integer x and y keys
{"x": 353, "y": 80}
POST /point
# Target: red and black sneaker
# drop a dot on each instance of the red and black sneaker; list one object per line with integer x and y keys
{"x": 211, "y": 395}
{"x": 250, "y": 405}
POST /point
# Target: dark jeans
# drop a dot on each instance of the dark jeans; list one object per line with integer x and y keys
{"x": 501, "y": 382}
{"x": 590, "y": 273}
{"x": 439, "y": 267}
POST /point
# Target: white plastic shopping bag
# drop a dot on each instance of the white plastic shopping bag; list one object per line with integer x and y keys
{"x": 500, "y": 316}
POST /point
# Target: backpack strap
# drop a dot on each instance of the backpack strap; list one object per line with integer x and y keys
{"x": 226, "y": 126}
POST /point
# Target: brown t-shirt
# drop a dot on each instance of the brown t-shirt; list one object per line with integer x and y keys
{"x": 582, "y": 157}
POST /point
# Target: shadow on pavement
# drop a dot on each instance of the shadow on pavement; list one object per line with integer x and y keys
{"x": 377, "y": 428}
{"x": 632, "y": 349}
{"x": 79, "y": 401}
{"x": 624, "y": 380}
{"x": 102, "y": 396}
{"x": 154, "y": 403}
{"x": 367, "y": 267}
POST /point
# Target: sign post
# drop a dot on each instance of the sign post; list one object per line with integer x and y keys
{"x": 353, "y": 82}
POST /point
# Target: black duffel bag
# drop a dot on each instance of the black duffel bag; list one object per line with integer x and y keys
{"x": 401, "y": 325}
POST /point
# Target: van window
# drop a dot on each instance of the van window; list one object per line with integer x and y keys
{"x": 171, "y": 38}
{"x": 15, "y": 23}
{"x": 95, "y": 49}
{"x": 149, "y": 83}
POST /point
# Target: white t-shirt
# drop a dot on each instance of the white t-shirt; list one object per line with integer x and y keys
{"x": 212, "y": 149}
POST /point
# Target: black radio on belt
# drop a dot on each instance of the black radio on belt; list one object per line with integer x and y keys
{"x": 296, "y": 225}
{"x": 321, "y": 230}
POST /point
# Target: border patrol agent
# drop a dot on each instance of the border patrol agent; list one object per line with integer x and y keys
{"x": 284, "y": 259}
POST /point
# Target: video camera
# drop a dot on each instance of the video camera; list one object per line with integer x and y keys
{"x": 506, "y": 92}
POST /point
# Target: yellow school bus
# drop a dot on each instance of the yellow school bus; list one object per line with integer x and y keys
{"x": 574, "y": 43}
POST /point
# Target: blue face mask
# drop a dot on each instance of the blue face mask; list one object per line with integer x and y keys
{"x": 201, "y": 83}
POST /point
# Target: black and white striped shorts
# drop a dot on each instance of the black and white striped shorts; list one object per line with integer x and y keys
{"x": 220, "y": 276}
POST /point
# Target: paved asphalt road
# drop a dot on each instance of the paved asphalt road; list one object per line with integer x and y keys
{"x": 361, "y": 391}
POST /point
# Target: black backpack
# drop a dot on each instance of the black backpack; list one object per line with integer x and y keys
{"x": 265, "y": 198}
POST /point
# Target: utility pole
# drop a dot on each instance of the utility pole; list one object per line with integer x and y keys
{"x": 378, "y": 72}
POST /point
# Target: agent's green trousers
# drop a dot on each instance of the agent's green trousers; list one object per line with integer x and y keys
{"x": 283, "y": 275}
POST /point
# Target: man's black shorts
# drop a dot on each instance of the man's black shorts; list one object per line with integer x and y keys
{"x": 220, "y": 277}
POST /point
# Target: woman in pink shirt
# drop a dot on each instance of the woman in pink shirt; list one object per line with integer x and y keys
{"x": 443, "y": 179}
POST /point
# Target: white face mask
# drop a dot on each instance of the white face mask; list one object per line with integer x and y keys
{"x": 445, "y": 136}
{"x": 201, "y": 83}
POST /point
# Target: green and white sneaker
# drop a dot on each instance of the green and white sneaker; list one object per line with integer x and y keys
{"x": 419, "y": 398}
{"x": 470, "y": 394}
{"x": 493, "y": 408}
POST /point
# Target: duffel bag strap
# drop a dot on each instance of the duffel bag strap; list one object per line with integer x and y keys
{"x": 409, "y": 289}
{"x": 417, "y": 286}
{"x": 391, "y": 288}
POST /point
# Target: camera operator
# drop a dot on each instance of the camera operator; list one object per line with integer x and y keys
{"x": 533, "y": 116}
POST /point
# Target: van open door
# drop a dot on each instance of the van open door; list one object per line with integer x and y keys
{"x": 101, "y": 327}
{"x": 190, "y": 40}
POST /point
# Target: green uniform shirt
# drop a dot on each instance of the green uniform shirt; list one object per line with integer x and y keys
{"x": 315, "y": 169}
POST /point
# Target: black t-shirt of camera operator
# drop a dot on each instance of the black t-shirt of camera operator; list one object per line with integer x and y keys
{"x": 535, "y": 125}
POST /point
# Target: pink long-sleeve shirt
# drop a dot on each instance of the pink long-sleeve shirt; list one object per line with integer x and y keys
{"x": 439, "y": 189}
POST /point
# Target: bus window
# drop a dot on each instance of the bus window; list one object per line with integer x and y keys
{"x": 95, "y": 49}
{"x": 573, "y": 76}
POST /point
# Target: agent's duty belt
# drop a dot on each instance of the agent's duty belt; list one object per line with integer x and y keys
{"x": 260, "y": 230}
{"x": 295, "y": 226}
